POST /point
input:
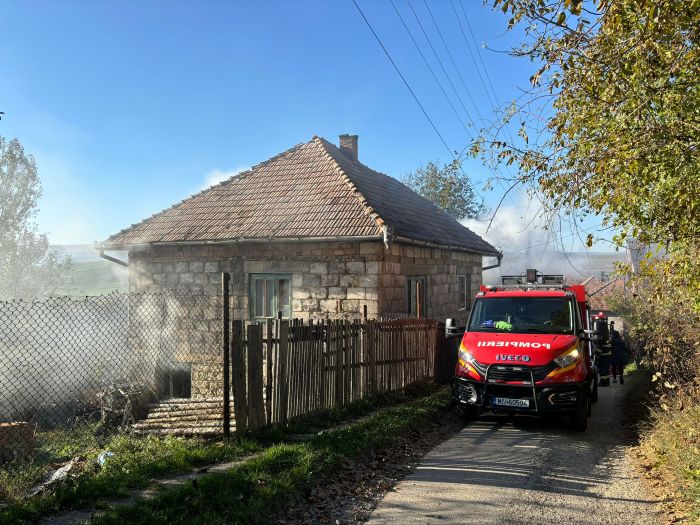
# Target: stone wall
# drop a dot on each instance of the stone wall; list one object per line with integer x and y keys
{"x": 328, "y": 279}
{"x": 441, "y": 268}
{"x": 335, "y": 279}
{"x": 331, "y": 279}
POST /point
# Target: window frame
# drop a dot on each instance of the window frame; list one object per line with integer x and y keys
{"x": 465, "y": 302}
{"x": 275, "y": 277}
{"x": 411, "y": 280}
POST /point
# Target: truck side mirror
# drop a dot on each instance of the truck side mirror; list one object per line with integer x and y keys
{"x": 452, "y": 331}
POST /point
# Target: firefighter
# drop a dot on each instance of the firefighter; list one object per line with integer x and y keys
{"x": 619, "y": 354}
{"x": 604, "y": 354}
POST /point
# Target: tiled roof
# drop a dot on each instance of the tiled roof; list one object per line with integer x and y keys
{"x": 600, "y": 293}
{"x": 310, "y": 191}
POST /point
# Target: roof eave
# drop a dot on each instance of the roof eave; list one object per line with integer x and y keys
{"x": 129, "y": 246}
{"x": 367, "y": 238}
{"x": 443, "y": 246}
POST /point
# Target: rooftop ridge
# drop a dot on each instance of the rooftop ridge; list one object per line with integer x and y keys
{"x": 371, "y": 211}
{"x": 315, "y": 191}
{"x": 443, "y": 212}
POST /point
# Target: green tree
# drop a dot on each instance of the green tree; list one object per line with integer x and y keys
{"x": 611, "y": 125}
{"x": 28, "y": 267}
{"x": 446, "y": 187}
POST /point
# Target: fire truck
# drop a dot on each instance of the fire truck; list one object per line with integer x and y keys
{"x": 527, "y": 349}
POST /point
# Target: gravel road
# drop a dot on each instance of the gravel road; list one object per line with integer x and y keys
{"x": 526, "y": 471}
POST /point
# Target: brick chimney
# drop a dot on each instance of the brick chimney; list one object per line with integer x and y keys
{"x": 348, "y": 145}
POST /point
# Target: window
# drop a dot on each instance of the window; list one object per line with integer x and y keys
{"x": 464, "y": 300}
{"x": 416, "y": 296}
{"x": 270, "y": 294}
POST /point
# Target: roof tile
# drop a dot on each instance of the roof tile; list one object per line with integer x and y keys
{"x": 311, "y": 190}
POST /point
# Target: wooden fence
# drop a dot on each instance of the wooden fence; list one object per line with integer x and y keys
{"x": 283, "y": 370}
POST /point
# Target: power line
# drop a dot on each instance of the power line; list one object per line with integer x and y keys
{"x": 483, "y": 83}
{"x": 432, "y": 72}
{"x": 454, "y": 64}
{"x": 478, "y": 51}
{"x": 442, "y": 66}
{"x": 453, "y": 87}
{"x": 471, "y": 55}
{"x": 427, "y": 63}
{"x": 402, "y": 77}
{"x": 396, "y": 67}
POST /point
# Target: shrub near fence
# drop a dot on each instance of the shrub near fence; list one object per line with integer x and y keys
{"x": 282, "y": 370}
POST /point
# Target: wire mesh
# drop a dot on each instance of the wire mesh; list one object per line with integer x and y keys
{"x": 66, "y": 361}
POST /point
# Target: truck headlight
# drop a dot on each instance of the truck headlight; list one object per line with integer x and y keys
{"x": 465, "y": 356}
{"x": 568, "y": 358}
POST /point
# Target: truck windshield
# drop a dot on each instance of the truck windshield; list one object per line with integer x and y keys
{"x": 527, "y": 315}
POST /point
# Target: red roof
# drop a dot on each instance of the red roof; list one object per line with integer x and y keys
{"x": 313, "y": 190}
{"x": 600, "y": 293}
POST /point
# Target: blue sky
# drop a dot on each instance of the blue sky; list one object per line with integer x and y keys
{"x": 132, "y": 106}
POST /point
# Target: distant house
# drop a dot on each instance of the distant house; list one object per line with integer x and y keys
{"x": 311, "y": 232}
{"x": 601, "y": 292}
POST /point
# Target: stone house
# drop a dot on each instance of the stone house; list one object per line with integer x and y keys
{"x": 311, "y": 232}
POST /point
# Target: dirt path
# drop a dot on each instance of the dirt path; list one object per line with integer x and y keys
{"x": 526, "y": 471}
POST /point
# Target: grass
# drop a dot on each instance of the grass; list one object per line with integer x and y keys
{"x": 670, "y": 450}
{"x": 668, "y": 444}
{"x": 252, "y": 491}
{"x": 136, "y": 460}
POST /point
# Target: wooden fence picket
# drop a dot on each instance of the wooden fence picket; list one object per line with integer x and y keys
{"x": 286, "y": 369}
{"x": 238, "y": 368}
{"x": 283, "y": 371}
{"x": 256, "y": 406}
{"x": 269, "y": 350}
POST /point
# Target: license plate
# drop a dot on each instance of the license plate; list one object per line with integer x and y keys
{"x": 510, "y": 402}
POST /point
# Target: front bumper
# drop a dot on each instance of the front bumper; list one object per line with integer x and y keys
{"x": 550, "y": 398}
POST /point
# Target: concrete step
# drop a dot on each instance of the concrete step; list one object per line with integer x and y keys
{"x": 178, "y": 424}
{"x": 176, "y": 404}
{"x": 184, "y": 431}
{"x": 185, "y": 417}
{"x": 185, "y": 412}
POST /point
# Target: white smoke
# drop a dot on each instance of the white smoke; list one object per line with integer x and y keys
{"x": 530, "y": 239}
{"x": 216, "y": 176}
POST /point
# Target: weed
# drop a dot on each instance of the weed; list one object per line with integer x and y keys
{"x": 256, "y": 488}
{"x": 137, "y": 459}
{"x": 671, "y": 446}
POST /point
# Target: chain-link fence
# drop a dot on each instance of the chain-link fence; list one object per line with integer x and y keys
{"x": 66, "y": 361}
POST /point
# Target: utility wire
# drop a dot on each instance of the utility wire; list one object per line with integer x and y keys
{"x": 454, "y": 64}
{"x": 483, "y": 65}
{"x": 442, "y": 66}
{"x": 403, "y": 78}
{"x": 478, "y": 51}
{"x": 451, "y": 153}
{"x": 471, "y": 55}
{"x": 432, "y": 72}
{"x": 481, "y": 78}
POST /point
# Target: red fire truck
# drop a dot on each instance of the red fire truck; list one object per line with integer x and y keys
{"x": 526, "y": 349}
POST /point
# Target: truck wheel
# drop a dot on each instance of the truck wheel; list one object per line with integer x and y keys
{"x": 469, "y": 413}
{"x": 579, "y": 419}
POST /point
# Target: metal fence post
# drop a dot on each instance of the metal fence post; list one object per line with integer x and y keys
{"x": 225, "y": 280}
